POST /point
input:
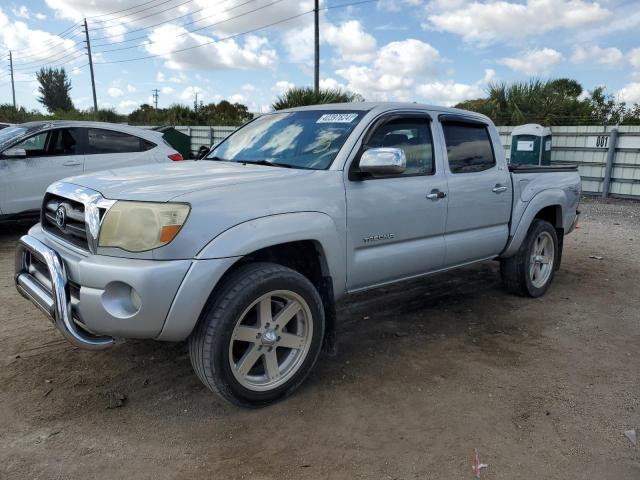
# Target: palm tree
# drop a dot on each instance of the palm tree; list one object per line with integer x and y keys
{"x": 301, "y": 96}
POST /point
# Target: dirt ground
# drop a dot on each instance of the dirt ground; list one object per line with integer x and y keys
{"x": 426, "y": 372}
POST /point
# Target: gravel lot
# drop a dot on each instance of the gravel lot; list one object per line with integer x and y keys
{"x": 426, "y": 372}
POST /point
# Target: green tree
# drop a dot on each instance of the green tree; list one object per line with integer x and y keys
{"x": 54, "y": 89}
{"x": 301, "y": 96}
{"x": 552, "y": 102}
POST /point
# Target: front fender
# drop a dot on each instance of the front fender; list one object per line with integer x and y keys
{"x": 258, "y": 233}
{"x": 546, "y": 198}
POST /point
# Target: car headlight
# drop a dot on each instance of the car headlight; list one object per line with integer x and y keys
{"x": 141, "y": 226}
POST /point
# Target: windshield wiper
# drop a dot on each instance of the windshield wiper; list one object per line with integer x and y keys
{"x": 216, "y": 158}
{"x": 266, "y": 162}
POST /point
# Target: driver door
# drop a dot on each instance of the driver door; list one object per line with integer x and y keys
{"x": 395, "y": 223}
{"x": 50, "y": 156}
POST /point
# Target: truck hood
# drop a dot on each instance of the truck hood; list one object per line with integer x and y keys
{"x": 165, "y": 182}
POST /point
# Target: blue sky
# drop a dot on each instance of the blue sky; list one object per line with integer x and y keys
{"x": 439, "y": 51}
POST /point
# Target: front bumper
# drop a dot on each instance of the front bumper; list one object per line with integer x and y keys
{"x": 52, "y": 299}
{"x": 95, "y": 299}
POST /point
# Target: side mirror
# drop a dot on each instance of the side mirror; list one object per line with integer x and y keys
{"x": 383, "y": 161}
{"x": 15, "y": 153}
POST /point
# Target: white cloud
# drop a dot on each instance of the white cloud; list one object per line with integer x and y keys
{"x": 40, "y": 16}
{"x": 167, "y": 90}
{"x": 33, "y": 45}
{"x": 448, "y": 93}
{"x": 630, "y": 93}
{"x": 248, "y": 87}
{"x": 331, "y": 83}
{"x": 494, "y": 20}
{"x": 394, "y": 70}
{"x": 535, "y": 62}
{"x": 634, "y": 58}
{"x": 161, "y": 77}
{"x": 489, "y": 75}
{"x": 351, "y": 41}
{"x": 596, "y": 54}
{"x": 397, "y": 5}
{"x": 189, "y": 94}
{"x": 407, "y": 57}
{"x": 115, "y": 92}
{"x": 127, "y": 106}
{"x": 255, "y": 53}
{"x": 238, "y": 98}
{"x": 282, "y": 86}
{"x": 21, "y": 12}
{"x": 131, "y": 88}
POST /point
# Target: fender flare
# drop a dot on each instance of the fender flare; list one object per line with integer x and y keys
{"x": 546, "y": 198}
{"x": 262, "y": 232}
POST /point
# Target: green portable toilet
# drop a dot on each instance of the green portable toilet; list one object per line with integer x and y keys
{"x": 178, "y": 140}
{"x": 531, "y": 145}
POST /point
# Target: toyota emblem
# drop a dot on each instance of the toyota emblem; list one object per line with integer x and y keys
{"x": 61, "y": 217}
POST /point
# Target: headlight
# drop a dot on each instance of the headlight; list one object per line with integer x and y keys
{"x": 140, "y": 226}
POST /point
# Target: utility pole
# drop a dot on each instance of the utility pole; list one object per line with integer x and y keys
{"x": 316, "y": 75}
{"x": 93, "y": 80}
{"x": 13, "y": 86}
{"x": 195, "y": 105}
{"x": 155, "y": 98}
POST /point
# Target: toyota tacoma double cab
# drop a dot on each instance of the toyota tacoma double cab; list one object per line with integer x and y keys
{"x": 245, "y": 252}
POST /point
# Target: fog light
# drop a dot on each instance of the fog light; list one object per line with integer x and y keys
{"x": 121, "y": 300}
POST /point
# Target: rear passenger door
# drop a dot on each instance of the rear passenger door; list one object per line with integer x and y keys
{"x": 107, "y": 149}
{"x": 480, "y": 193}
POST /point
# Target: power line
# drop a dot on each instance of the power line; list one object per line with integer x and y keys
{"x": 145, "y": 16}
{"x": 123, "y": 10}
{"x": 210, "y": 42}
{"x": 170, "y": 21}
{"x": 253, "y": 30}
{"x": 54, "y": 39}
{"x": 196, "y": 29}
{"x": 61, "y": 59}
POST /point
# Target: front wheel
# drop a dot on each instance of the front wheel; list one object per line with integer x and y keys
{"x": 260, "y": 335}
{"x": 530, "y": 271}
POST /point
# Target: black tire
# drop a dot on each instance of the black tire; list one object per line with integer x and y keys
{"x": 515, "y": 269}
{"x": 210, "y": 340}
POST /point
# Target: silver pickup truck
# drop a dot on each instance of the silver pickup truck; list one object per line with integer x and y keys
{"x": 245, "y": 252}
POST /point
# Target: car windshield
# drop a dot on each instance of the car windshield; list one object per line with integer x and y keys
{"x": 9, "y": 133}
{"x": 304, "y": 139}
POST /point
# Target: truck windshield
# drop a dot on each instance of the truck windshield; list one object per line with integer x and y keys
{"x": 305, "y": 139}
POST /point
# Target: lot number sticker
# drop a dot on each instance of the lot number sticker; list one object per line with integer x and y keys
{"x": 337, "y": 118}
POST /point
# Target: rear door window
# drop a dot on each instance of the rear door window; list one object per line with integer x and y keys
{"x": 111, "y": 141}
{"x": 469, "y": 147}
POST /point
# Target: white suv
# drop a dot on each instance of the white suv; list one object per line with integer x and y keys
{"x": 35, "y": 154}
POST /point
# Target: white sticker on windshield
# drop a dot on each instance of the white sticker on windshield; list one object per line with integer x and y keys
{"x": 337, "y": 118}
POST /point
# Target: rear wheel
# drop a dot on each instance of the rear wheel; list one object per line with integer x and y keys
{"x": 530, "y": 271}
{"x": 260, "y": 336}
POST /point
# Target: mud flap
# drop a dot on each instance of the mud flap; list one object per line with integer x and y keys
{"x": 330, "y": 342}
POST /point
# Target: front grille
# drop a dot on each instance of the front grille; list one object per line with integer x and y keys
{"x": 72, "y": 227}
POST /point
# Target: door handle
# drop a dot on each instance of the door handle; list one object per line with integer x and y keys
{"x": 499, "y": 189}
{"x": 436, "y": 195}
{"x": 71, "y": 163}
